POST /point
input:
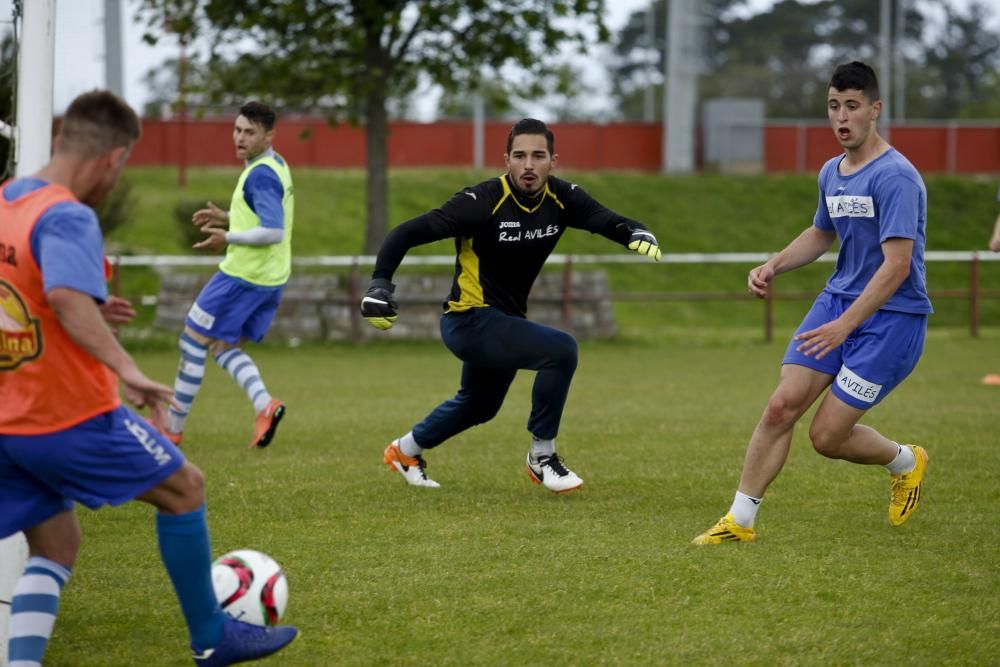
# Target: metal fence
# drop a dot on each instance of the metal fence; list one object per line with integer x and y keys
{"x": 972, "y": 292}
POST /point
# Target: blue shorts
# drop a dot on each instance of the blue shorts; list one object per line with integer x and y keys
{"x": 231, "y": 309}
{"x": 107, "y": 460}
{"x": 873, "y": 359}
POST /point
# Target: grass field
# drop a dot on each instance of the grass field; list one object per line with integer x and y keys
{"x": 492, "y": 570}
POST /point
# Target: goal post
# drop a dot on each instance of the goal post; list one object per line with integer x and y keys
{"x": 31, "y": 135}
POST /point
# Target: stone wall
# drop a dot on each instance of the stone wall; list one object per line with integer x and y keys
{"x": 324, "y": 306}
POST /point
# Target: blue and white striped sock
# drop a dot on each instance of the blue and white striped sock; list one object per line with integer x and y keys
{"x": 33, "y": 611}
{"x": 189, "y": 376}
{"x": 241, "y": 368}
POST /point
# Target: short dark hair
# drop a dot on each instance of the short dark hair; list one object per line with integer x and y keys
{"x": 97, "y": 122}
{"x": 532, "y": 126}
{"x": 856, "y": 75}
{"x": 258, "y": 113}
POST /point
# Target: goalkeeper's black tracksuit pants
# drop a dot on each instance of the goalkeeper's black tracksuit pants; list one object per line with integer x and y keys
{"x": 493, "y": 346}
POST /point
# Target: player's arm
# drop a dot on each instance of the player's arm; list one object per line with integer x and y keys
{"x": 895, "y": 268}
{"x": 80, "y": 316}
{"x": 66, "y": 244}
{"x": 587, "y": 213}
{"x": 455, "y": 218}
{"x": 805, "y": 249}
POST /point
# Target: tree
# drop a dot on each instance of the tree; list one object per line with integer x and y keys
{"x": 960, "y": 73}
{"x": 8, "y": 74}
{"x": 785, "y": 54}
{"x": 348, "y": 57}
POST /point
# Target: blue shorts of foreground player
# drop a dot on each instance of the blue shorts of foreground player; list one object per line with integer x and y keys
{"x": 107, "y": 460}
{"x": 230, "y": 309}
{"x": 874, "y": 358}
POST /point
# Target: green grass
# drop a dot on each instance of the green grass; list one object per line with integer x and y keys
{"x": 492, "y": 570}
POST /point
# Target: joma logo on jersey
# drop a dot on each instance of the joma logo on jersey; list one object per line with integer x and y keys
{"x": 20, "y": 335}
{"x": 510, "y": 224}
{"x": 850, "y": 206}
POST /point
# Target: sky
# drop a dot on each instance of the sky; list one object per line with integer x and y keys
{"x": 79, "y": 57}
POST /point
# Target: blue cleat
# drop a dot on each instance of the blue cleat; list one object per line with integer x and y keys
{"x": 242, "y": 642}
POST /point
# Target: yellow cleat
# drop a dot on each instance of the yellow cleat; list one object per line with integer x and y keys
{"x": 904, "y": 489}
{"x": 726, "y": 530}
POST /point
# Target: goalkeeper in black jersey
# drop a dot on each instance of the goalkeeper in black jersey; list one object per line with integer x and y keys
{"x": 504, "y": 229}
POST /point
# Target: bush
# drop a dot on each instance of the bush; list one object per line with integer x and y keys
{"x": 118, "y": 209}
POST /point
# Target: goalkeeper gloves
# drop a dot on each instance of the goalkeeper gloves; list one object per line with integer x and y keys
{"x": 378, "y": 306}
{"x": 643, "y": 242}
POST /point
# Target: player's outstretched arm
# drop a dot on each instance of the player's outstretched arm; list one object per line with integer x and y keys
{"x": 995, "y": 241}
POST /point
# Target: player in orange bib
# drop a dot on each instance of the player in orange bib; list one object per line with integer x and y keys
{"x": 65, "y": 437}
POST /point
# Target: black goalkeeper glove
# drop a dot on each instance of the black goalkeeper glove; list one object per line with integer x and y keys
{"x": 378, "y": 306}
{"x": 643, "y": 242}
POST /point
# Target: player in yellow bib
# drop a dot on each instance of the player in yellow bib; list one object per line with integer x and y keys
{"x": 241, "y": 299}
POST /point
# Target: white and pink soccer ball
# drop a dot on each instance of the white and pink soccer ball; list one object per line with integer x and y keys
{"x": 250, "y": 586}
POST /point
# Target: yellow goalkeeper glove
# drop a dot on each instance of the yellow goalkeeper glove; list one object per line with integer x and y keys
{"x": 378, "y": 306}
{"x": 643, "y": 242}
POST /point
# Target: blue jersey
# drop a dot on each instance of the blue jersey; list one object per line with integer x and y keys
{"x": 66, "y": 244}
{"x": 884, "y": 199}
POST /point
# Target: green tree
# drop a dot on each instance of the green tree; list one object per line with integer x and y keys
{"x": 348, "y": 57}
{"x": 785, "y": 54}
{"x": 959, "y": 77}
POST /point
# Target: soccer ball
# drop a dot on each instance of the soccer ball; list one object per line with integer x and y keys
{"x": 250, "y": 586}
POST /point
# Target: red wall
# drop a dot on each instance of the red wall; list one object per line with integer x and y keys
{"x": 787, "y": 147}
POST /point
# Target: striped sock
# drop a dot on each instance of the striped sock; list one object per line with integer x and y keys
{"x": 241, "y": 368}
{"x": 189, "y": 376}
{"x": 33, "y": 611}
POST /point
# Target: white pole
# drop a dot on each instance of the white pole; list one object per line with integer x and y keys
{"x": 32, "y": 148}
{"x": 648, "y": 104}
{"x": 478, "y": 129}
{"x": 885, "y": 65}
{"x": 681, "y": 89}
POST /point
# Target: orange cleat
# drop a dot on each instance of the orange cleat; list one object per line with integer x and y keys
{"x": 266, "y": 423}
{"x": 172, "y": 437}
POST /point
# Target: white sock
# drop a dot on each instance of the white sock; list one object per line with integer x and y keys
{"x": 409, "y": 446}
{"x": 904, "y": 462}
{"x": 744, "y": 509}
{"x": 244, "y": 371}
{"x": 540, "y": 448}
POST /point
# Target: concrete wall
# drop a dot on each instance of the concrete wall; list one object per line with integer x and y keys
{"x": 323, "y": 307}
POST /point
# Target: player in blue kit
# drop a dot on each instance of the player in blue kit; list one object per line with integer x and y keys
{"x": 65, "y": 437}
{"x": 865, "y": 331}
{"x": 241, "y": 299}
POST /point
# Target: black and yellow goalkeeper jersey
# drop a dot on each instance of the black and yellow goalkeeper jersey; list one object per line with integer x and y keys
{"x": 502, "y": 238}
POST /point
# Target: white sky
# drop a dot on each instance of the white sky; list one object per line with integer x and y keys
{"x": 79, "y": 58}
